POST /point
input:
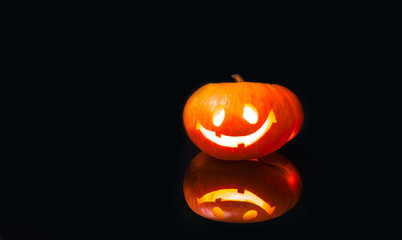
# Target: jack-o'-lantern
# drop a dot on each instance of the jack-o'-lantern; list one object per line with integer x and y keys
{"x": 241, "y": 191}
{"x": 242, "y": 120}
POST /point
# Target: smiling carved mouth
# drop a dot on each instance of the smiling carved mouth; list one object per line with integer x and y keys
{"x": 234, "y": 195}
{"x": 234, "y": 141}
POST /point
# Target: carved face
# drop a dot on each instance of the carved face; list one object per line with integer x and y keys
{"x": 230, "y": 205}
{"x": 241, "y": 191}
{"x": 235, "y": 121}
{"x": 250, "y": 114}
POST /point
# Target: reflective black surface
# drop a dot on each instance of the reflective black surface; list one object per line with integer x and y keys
{"x": 94, "y": 146}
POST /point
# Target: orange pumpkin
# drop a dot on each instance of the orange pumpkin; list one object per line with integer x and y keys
{"x": 242, "y": 120}
{"x": 241, "y": 191}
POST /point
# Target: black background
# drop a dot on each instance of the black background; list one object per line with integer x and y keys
{"x": 94, "y": 145}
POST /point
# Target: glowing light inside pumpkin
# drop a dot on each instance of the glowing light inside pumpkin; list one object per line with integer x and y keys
{"x": 234, "y": 141}
{"x": 250, "y": 113}
{"x": 232, "y": 194}
{"x": 218, "y": 212}
{"x": 292, "y": 135}
{"x": 250, "y": 215}
{"x": 218, "y": 116}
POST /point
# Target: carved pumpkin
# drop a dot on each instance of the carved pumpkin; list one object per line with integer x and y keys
{"x": 241, "y": 191}
{"x": 242, "y": 120}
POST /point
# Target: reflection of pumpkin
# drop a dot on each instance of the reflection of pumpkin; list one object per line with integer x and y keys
{"x": 241, "y": 191}
{"x": 242, "y": 120}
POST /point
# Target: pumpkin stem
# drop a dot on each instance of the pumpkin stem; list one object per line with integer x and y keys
{"x": 238, "y": 78}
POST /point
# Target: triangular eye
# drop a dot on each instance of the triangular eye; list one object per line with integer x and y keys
{"x": 250, "y": 114}
{"x": 218, "y": 115}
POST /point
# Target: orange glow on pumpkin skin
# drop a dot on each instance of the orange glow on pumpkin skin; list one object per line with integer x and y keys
{"x": 244, "y": 191}
{"x": 219, "y": 117}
